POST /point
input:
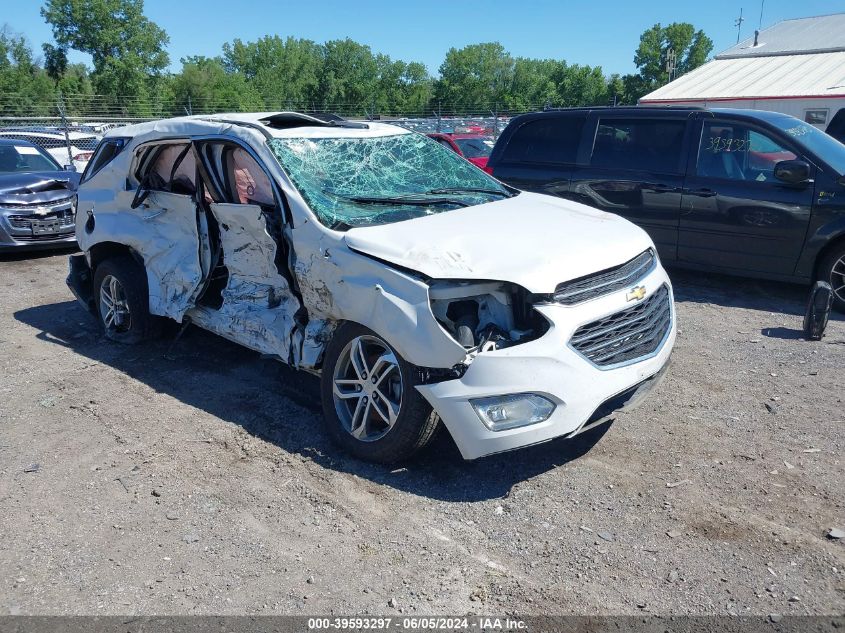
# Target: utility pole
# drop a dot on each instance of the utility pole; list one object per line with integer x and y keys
{"x": 670, "y": 63}
{"x": 738, "y": 24}
{"x": 63, "y": 115}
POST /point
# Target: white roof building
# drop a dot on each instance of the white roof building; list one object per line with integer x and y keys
{"x": 796, "y": 67}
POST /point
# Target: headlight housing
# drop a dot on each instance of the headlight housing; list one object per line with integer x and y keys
{"x": 500, "y": 413}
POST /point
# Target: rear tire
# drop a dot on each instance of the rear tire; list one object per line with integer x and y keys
{"x": 122, "y": 300}
{"x": 832, "y": 270}
{"x": 370, "y": 405}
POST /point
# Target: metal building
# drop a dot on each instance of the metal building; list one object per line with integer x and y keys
{"x": 796, "y": 67}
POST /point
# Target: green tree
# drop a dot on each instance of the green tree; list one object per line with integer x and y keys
{"x": 580, "y": 85}
{"x": 691, "y": 49}
{"x": 478, "y": 75}
{"x": 533, "y": 84}
{"x": 25, "y": 89}
{"x": 203, "y": 85}
{"x": 285, "y": 72}
{"x": 126, "y": 47}
{"x": 349, "y": 76}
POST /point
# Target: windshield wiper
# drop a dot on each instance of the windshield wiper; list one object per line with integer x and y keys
{"x": 495, "y": 192}
{"x": 410, "y": 201}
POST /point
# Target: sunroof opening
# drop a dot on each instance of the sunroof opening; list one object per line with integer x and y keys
{"x": 288, "y": 120}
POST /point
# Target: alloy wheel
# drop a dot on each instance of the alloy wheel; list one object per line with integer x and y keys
{"x": 114, "y": 308}
{"x": 837, "y": 278}
{"x": 367, "y": 388}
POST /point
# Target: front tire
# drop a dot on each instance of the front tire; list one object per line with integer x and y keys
{"x": 370, "y": 405}
{"x": 122, "y": 301}
{"x": 832, "y": 270}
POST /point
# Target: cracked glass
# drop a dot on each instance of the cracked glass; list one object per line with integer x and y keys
{"x": 366, "y": 181}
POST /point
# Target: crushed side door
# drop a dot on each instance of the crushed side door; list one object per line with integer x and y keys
{"x": 256, "y": 303}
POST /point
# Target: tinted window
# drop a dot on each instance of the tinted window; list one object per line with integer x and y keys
{"x": 445, "y": 143}
{"x": 546, "y": 140}
{"x": 733, "y": 151}
{"x": 642, "y": 144}
{"x": 837, "y": 126}
{"x": 106, "y": 152}
{"x": 827, "y": 148}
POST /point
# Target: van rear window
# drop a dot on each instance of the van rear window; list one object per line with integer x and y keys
{"x": 639, "y": 144}
{"x": 546, "y": 140}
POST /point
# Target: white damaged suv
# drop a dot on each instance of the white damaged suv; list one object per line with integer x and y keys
{"x": 420, "y": 288}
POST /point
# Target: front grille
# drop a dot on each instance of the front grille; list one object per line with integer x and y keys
{"x": 32, "y": 205}
{"x": 627, "y": 335}
{"x": 64, "y": 219}
{"x": 605, "y": 281}
{"x": 43, "y": 238}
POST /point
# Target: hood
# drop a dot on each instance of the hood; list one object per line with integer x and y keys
{"x": 532, "y": 240}
{"x": 38, "y": 186}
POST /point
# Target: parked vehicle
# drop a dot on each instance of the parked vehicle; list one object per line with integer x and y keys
{"x": 743, "y": 192}
{"x": 36, "y": 198}
{"x": 837, "y": 126}
{"x": 475, "y": 148}
{"x": 417, "y": 286}
{"x": 53, "y": 140}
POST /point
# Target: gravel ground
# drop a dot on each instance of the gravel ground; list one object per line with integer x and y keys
{"x": 143, "y": 480}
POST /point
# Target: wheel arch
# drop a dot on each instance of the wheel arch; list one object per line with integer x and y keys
{"x": 101, "y": 251}
{"x": 835, "y": 242}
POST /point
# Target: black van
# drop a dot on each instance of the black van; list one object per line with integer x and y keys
{"x": 743, "y": 192}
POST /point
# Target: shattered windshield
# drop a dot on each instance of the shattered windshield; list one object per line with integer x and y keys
{"x": 365, "y": 181}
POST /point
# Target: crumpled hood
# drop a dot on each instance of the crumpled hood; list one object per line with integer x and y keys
{"x": 38, "y": 186}
{"x": 532, "y": 240}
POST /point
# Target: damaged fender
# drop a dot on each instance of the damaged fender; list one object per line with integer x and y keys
{"x": 338, "y": 284}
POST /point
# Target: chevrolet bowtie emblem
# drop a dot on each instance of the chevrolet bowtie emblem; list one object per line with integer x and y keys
{"x": 635, "y": 294}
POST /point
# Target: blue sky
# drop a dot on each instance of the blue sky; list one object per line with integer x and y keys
{"x": 595, "y": 33}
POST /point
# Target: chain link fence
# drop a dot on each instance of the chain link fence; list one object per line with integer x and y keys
{"x": 71, "y": 127}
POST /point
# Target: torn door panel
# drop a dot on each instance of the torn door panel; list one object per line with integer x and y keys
{"x": 171, "y": 253}
{"x": 258, "y": 306}
{"x": 164, "y": 232}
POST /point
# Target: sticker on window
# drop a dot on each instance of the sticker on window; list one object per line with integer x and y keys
{"x": 26, "y": 150}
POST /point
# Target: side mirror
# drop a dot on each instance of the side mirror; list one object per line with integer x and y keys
{"x": 793, "y": 172}
{"x": 70, "y": 167}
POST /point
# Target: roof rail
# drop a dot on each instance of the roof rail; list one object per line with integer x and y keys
{"x": 640, "y": 106}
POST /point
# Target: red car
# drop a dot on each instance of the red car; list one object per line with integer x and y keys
{"x": 475, "y": 148}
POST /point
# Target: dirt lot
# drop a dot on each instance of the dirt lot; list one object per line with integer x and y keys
{"x": 200, "y": 480}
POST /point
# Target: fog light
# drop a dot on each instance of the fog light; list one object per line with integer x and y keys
{"x": 509, "y": 412}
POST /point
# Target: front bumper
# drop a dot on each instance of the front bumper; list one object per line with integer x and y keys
{"x": 550, "y": 367}
{"x": 80, "y": 280}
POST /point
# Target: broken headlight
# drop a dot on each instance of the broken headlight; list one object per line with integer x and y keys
{"x": 485, "y": 315}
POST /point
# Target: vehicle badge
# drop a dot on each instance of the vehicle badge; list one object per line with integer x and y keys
{"x": 635, "y": 294}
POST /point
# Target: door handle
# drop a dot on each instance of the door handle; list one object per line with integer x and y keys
{"x": 658, "y": 188}
{"x": 701, "y": 193}
{"x": 154, "y": 214}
